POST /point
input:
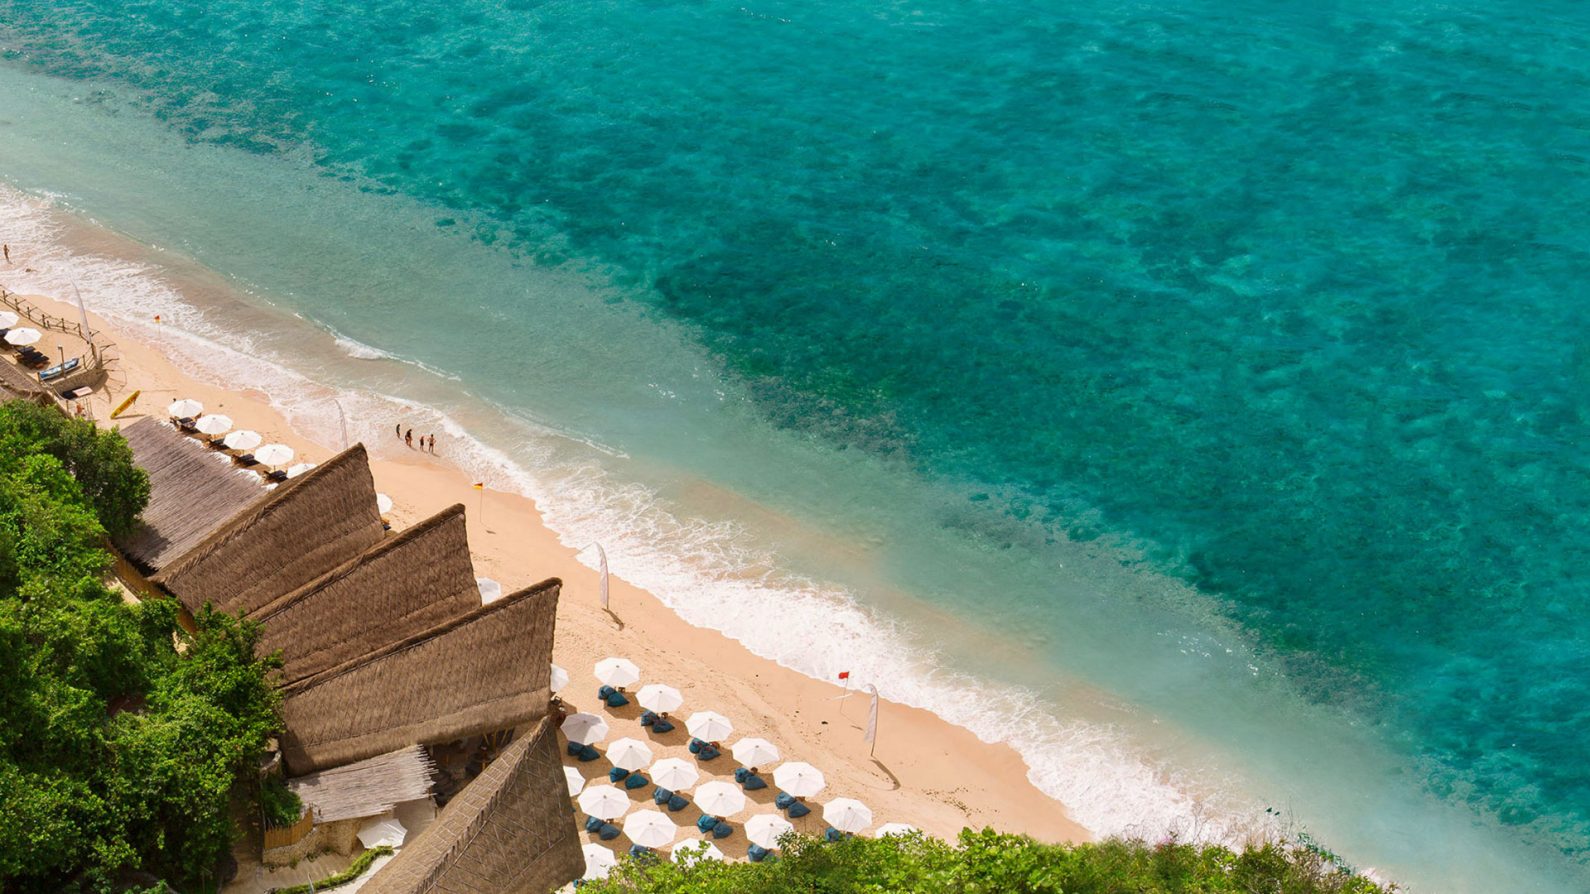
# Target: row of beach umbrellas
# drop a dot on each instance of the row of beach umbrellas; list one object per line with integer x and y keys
{"x": 20, "y": 336}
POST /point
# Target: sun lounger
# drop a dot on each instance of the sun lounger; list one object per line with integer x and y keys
{"x": 797, "y": 810}
{"x": 677, "y": 803}
{"x": 277, "y": 476}
{"x": 784, "y": 800}
{"x": 616, "y": 774}
{"x": 756, "y": 853}
{"x": 706, "y": 823}
{"x": 608, "y": 832}
{"x": 247, "y": 460}
{"x": 637, "y": 780}
{"x": 722, "y": 830}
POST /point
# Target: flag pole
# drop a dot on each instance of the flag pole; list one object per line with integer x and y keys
{"x": 872, "y": 722}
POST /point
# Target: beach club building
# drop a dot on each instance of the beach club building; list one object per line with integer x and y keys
{"x": 400, "y": 686}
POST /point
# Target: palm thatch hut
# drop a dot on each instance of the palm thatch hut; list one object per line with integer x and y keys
{"x": 192, "y": 492}
{"x": 510, "y": 831}
{"x": 486, "y": 670}
{"x": 306, "y": 527}
{"x": 400, "y": 587}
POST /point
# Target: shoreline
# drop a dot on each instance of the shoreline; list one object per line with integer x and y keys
{"x": 927, "y": 772}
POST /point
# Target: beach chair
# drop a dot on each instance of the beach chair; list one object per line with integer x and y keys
{"x": 722, "y": 830}
{"x": 636, "y": 780}
{"x": 797, "y": 810}
{"x": 277, "y": 476}
{"x": 756, "y": 853}
{"x": 617, "y": 774}
{"x": 608, "y": 832}
{"x": 247, "y": 461}
{"x": 706, "y": 823}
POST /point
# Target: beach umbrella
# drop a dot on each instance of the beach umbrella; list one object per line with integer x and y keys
{"x": 688, "y": 852}
{"x": 584, "y": 729}
{"x": 242, "y": 439}
{"x": 799, "y": 779}
{"x": 659, "y": 698}
{"x": 214, "y": 424}
{"x": 274, "y": 454}
{"x": 765, "y": 829}
{"x": 650, "y": 828}
{"x": 847, "y": 814}
{"x": 560, "y": 678}
{"x": 297, "y": 469}
{"x": 8, "y": 319}
{"x": 490, "y": 590}
{"x": 617, "y": 671}
{"x": 574, "y": 779}
{"x": 383, "y": 504}
{"x": 709, "y": 725}
{"x": 674, "y": 774}
{"x": 599, "y": 861}
{"x": 894, "y": 829}
{"x": 629, "y": 754}
{"x": 379, "y": 832}
{"x": 23, "y": 336}
{"x": 187, "y": 408}
{"x": 719, "y": 799}
{"x": 603, "y": 802}
{"x": 754, "y": 752}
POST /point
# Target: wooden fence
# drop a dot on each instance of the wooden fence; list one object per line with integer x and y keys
{"x": 282, "y": 836}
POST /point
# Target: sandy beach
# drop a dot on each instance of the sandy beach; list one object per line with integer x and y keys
{"x": 925, "y": 772}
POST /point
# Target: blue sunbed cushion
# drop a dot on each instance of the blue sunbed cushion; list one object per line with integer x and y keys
{"x": 833, "y": 834}
{"x": 784, "y": 800}
{"x": 592, "y": 824}
{"x": 636, "y": 850}
{"x": 616, "y": 700}
{"x": 696, "y": 745}
{"x": 636, "y": 780}
{"x": 604, "y": 692}
{"x": 587, "y": 753}
{"x": 677, "y": 803}
{"x": 741, "y": 774}
{"x": 754, "y": 782}
{"x": 661, "y": 795}
{"x": 706, "y": 822}
{"x": 722, "y": 830}
{"x": 647, "y": 718}
{"x": 757, "y": 853}
{"x": 574, "y": 749}
{"x": 798, "y": 810}
{"x": 708, "y": 753}
{"x": 616, "y": 774}
{"x": 608, "y": 833}
{"x": 662, "y": 726}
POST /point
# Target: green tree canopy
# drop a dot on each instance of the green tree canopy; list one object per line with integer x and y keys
{"x": 99, "y": 460}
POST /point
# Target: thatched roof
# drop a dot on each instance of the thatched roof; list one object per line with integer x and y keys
{"x": 486, "y": 670}
{"x": 400, "y": 587}
{"x": 511, "y": 831}
{"x": 367, "y": 788}
{"x": 192, "y": 491}
{"x": 19, "y": 382}
{"x": 304, "y": 528}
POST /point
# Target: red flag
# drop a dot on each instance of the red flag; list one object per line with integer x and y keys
{"x": 844, "y": 675}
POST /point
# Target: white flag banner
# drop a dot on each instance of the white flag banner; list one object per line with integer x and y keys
{"x": 871, "y": 734}
{"x": 601, "y": 558}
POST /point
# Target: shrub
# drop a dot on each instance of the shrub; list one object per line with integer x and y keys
{"x": 280, "y": 804}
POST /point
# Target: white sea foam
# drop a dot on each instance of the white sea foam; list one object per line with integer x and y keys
{"x": 697, "y": 567}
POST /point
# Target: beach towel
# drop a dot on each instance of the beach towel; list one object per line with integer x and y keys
{"x": 706, "y": 822}
{"x": 616, "y": 774}
{"x": 677, "y": 803}
{"x": 722, "y": 830}
{"x": 636, "y": 780}
{"x": 784, "y": 800}
{"x": 757, "y": 853}
{"x": 609, "y": 832}
{"x": 798, "y": 810}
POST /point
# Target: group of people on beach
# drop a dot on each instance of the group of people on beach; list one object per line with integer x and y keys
{"x": 408, "y": 438}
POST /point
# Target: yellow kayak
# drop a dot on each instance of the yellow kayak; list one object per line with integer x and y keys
{"x": 125, "y": 404}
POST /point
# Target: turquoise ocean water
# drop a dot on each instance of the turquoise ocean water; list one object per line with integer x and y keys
{"x": 1219, "y": 367}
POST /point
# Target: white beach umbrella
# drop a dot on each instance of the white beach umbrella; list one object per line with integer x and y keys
{"x": 688, "y": 852}
{"x": 603, "y": 802}
{"x": 274, "y": 454}
{"x": 847, "y": 814}
{"x": 293, "y": 471}
{"x": 490, "y": 590}
{"x": 659, "y": 698}
{"x": 720, "y": 799}
{"x": 673, "y": 774}
{"x": 799, "y": 779}
{"x": 629, "y": 754}
{"x": 617, "y": 672}
{"x": 574, "y": 779}
{"x": 187, "y": 408}
{"x": 383, "y": 504}
{"x": 383, "y": 831}
{"x": 754, "y": 752}
{"x": 894, "y": 829}
{"x": 23, "y": 336}
{"x": 8, "y": 319}
{"x": 560, "y": 678}
{"x": 599, "y": 861}
{"x": 242, "y": 439}
{"x": 765, "y": 829}
{"x": 650, "y": 828}
{"x": 214, "y": 424}
{"x": 584, "y": 729}
{"x": 709, "y": 725}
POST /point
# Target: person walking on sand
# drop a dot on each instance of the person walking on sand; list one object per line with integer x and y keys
{"x": 399, "y": 429}
{"x": 7, "y": 248}
{"x": 409, "y": 439}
